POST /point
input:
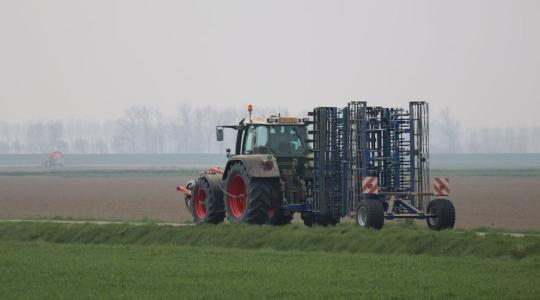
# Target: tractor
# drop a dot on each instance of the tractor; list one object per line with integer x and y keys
{"x": 55, "y": 159}
{"x": 368, "y": 163}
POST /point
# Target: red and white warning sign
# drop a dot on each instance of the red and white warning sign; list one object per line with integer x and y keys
{"x": 441, "y": 186}
{"x": 370, "y": 185}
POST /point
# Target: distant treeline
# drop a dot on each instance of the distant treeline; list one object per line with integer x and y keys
{"x": 141, "y": 129}
{"x": 191, "y": 129}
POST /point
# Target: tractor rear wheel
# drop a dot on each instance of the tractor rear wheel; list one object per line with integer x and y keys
{"x": 445, "y": 214}
{"x": 206, "y": 201}
{"x": 370, "y": 214}
{"x": 247, "y": 200}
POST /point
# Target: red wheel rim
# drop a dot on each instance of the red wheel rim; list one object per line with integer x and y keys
{"x": 237, "y": 196}
{"x": 200, "y": 205}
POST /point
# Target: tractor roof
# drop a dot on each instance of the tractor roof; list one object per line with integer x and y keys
{"x": 275, "y": 120}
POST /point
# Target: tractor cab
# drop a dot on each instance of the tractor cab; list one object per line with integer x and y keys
{"x": 276, "y": 139}
{"x": 284, "y": 138}
{"x": 275, "y": 135}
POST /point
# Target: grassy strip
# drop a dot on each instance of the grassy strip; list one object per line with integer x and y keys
{"x": 45, "y": 270}
{"x": 344, "y": 238}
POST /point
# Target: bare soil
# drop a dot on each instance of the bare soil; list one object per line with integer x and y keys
{"x": 100, "y": 198}
{"x": 490, "y": 201}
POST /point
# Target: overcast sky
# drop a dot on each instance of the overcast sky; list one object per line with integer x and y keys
{"x": 92, "y": 59}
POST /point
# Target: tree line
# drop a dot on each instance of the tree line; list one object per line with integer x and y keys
{"x": 140, "y": 129}
{"x": 191, "y": 129}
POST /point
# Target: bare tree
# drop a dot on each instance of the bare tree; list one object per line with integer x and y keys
{"x": 36, "y": 139}
{"x": 80, "y": 146}
{"x": 450, "y": 130}
{"x": 99, "y": 146}
{"x": 474, "y": 146}
{"x": 141, "y": 130}
{"x": 534, "y": 138}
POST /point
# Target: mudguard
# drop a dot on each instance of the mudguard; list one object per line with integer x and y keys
{"x": 254, "y": 164}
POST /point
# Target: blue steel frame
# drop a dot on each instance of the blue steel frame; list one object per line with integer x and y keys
{"x": 388, "y": 149}
{"x": 412, "y": 154}
{"x": 328, "y": 145}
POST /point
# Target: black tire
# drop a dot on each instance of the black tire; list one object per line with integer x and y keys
{"x": 370, "y": 214}
{"x": 308, "y": 218}
{"x": 330, "y": 221}
{"x": 280, "y": 216}
{"x": 311, "y": 219}
{"x": 326, "y": 221}
{"x": 209, "y": 185}
{"x": 187, "y": 199}
{"x": 445, "y": 214}
{"x": 257, "y": 200}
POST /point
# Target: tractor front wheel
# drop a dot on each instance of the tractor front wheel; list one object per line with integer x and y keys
{"x": 188, "y": 198}
{"x": 445, "y": 214}
{"x": 247, "y": 200}
{"x": 370, "y": 214}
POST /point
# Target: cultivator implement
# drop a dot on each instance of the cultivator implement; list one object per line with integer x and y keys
{"x": 364, "y": 154}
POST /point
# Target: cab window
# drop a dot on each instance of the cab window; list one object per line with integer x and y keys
{"x": 261, "y": 140}
{"x": 287, "y": 140}
{"x": 248, "y": 141}
{"x": 256, "y": 140}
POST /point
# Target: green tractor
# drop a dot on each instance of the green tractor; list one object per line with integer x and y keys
{"x": 267, "y": 177}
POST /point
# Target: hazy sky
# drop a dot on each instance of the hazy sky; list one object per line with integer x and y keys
{"x": 92, "y": 59}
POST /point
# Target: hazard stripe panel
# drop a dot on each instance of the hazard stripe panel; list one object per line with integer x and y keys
{"x": 370, "y": 185}
{"x": 441, "y": 186}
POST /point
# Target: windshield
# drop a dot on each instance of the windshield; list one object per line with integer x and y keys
{"x": 276, "y": 139}
{"x": 287, "y": 140}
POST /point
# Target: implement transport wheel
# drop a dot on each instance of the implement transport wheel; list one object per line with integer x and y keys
{"x": 247, "y": 200}
{"x": 370, "y": 214}
{"x": 445, "y": 214}
{"x": 206, "y": 201}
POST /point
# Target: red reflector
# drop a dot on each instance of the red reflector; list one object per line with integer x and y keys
{"x": 268, "y": 165}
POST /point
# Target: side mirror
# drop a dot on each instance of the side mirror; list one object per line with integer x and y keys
{"x": 219, "y": 134}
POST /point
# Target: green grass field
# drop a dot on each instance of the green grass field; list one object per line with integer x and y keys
{"x": 45, "y": 260}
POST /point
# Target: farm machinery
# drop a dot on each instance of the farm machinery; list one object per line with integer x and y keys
{"x": 55, "y": 159}
{"x": 369, "y": 163}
